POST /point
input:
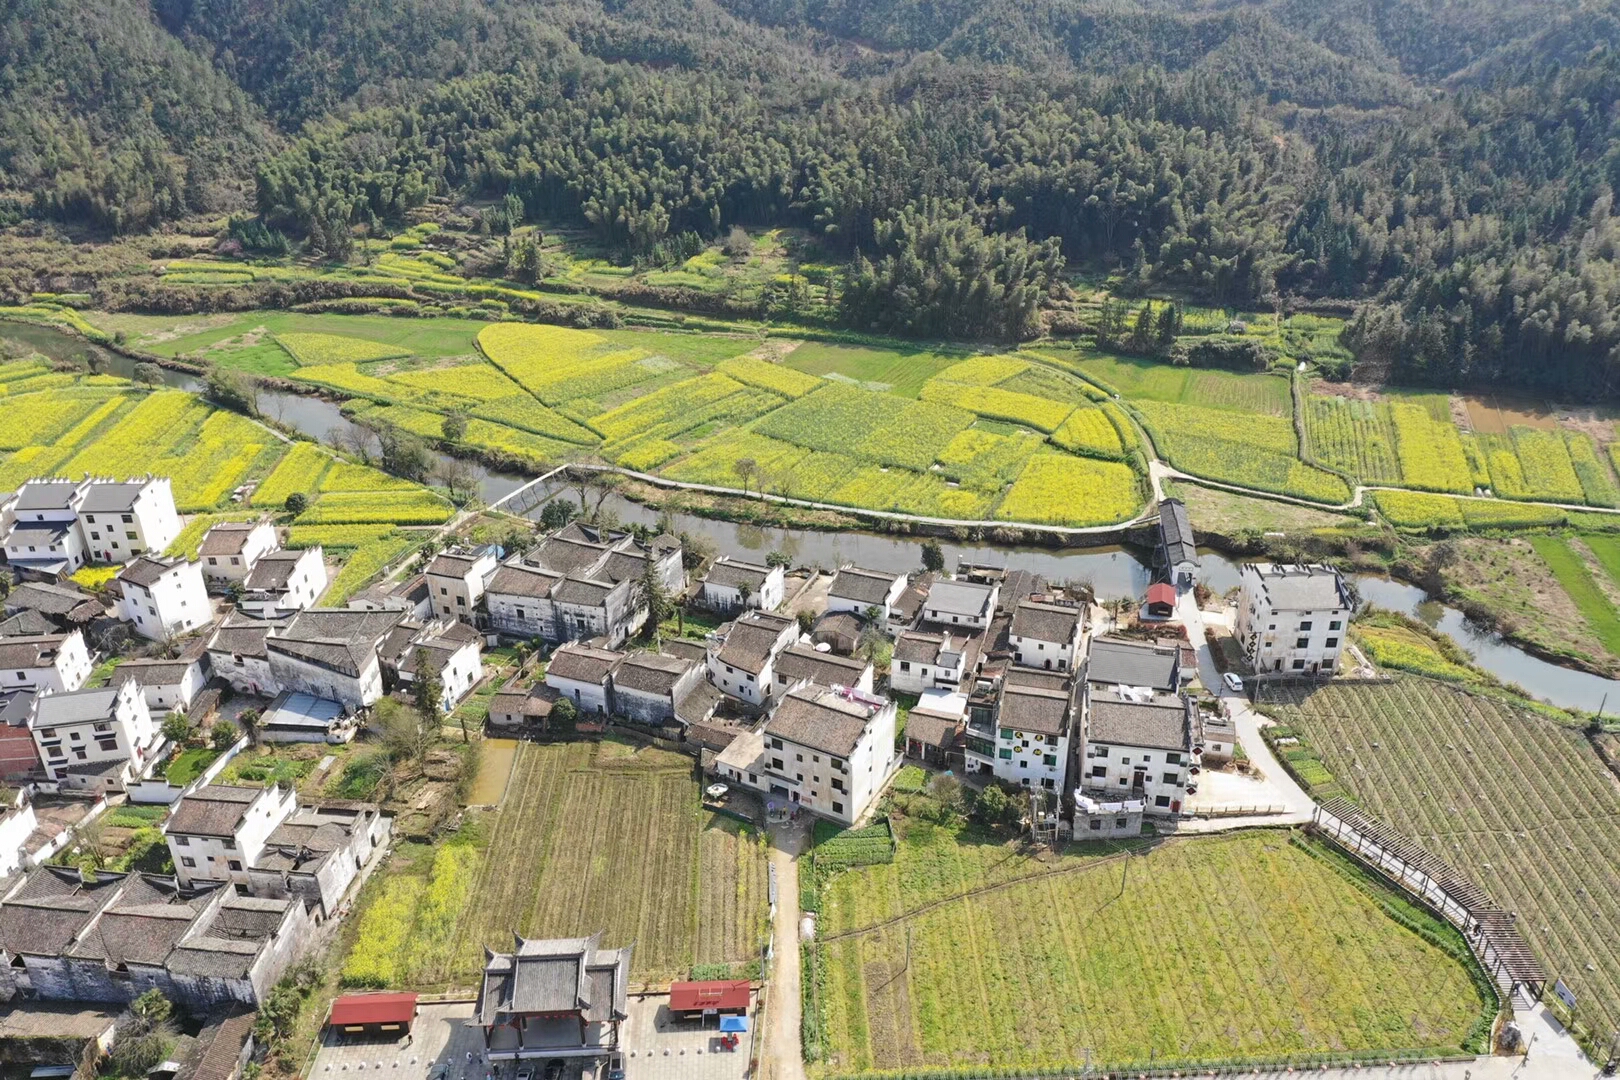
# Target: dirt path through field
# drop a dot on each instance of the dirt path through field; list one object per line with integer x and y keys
{"x": 783, "y": 1055}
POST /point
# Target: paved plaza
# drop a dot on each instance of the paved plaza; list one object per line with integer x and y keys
{"x": 445, "y": 1046}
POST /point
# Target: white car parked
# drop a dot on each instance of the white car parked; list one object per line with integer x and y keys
{"x": 1233, "y": 682}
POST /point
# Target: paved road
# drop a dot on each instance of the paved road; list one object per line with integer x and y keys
{"x": 782, "y": 1056}
{"x": 1280, "y": 788}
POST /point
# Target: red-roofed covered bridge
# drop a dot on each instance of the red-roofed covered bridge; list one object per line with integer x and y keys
{"x": 689, "y": 1000}
{"x": 373, "y": 1013}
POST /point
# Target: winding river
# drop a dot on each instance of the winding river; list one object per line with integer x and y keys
{"x": 1114, "y": 572}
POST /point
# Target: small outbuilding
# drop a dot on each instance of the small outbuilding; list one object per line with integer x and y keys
{"x": 695, "y": 1000}
{"x": 373, "y": 1014}
{"x": 1161, "y": 600}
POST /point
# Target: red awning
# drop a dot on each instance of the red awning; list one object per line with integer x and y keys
{"x": 353, "y": 1010}
{"x": 724, "y": 994}
{"x": 1162, "y": 593}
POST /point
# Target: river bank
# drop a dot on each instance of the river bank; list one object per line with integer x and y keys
{"x": 748, "y": 527}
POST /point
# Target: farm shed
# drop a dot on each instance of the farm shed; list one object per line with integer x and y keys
{"x": 1161, "y": 600}
{"x": 694, "y": 1000}
{"x": 373, "y": 1014}
{"x": 932, "y": 738}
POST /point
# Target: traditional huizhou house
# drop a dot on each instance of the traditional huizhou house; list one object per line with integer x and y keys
{"x": 315, "y": 854}
{"x": 63, "y": 938}
{"x": 95, "y": 740}
{"x": 742, "y": 654}
{"x": 935, "y": 727}
{"x": 124, "y": 518}
{"x": 169, "y": 685}
{"x": 453, "y": 651}
{"x": 517, "y": 710}
{"x": 584, "y": 675}
{"x": 54, "y": 662}
{"x": 961, "y": 604}
{"x": 553, "y": 998}
{"x": 62, "y": 607}
{"x": 1046, "y": 635}
{"x": 1121, "y": 662}
{"x": 231, "y": 549}
{"x": 647, "y": 686}
{"x": 457, "y": 579}
{"x": 1035, "y": 720}
{"x": 1178, "y": 551}
{"x": 829, "y": 751}
{"x": 163, "y": 598}
{"x": 801, "y": 663}
{"x": 924, "y": 661}
{"x": 43, "y": 533}
{"x": 731, "y": 584}
{"x": 284, "y": 581}
{"x": 859, "y": 591}
{"x": 217, "y": 831}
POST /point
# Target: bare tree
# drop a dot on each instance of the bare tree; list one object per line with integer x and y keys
{"x": 457, "y": 475}
{"x": 746, "y": 469}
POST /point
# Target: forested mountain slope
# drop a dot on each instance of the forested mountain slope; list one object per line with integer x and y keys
{"x": 1449, "y": 165}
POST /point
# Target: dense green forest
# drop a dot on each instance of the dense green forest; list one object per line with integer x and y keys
{"x": 1447, "y": 165}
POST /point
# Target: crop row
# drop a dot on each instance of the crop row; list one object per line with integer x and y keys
{"x": 1257, "y": 453}
{"x": 1089, "y": 431}
{"x": 1046, "y": 381}
{"x": 872, "y": 426}
{"x": 559, "y": 365}
{"x": 418, "y": 507}
{"x": 1335, "y": 974}
{"x": 365, "y": 563}
{"x": 983, "y": 370}
{"x": 668, "y": 410}
{"x": 523, "y": 411}
{"x": 1431, "y": 454}
{"x": 299, "y": 471}
{"x": 983, "y": 459}
{"x": 1419, "y": 510}
{"x": 1531, "y": 464}
{"x": 44, "y": 418}
{"x": 311, "y": 350}
{"x": 344, "y": 476}
{"x": 1597, "y": 483}
{"x": 1353, "y": 436}
{"x": 476, "y": 381}
{"x": 650, "y": 442}
{"x": 17, "y": 370}
{"x": 794, "y": 472}
{"x": 335, "y": 537}
{"x": 1041, "y": 414}
{"x": 1390, "y": 647}
{"x": 776, "y": 378}
{"x": 349, "y": 379}
{"x": 226, "y": 450}
{"x": 1060, "y": 489}
{"x": 1428, "y": 761}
